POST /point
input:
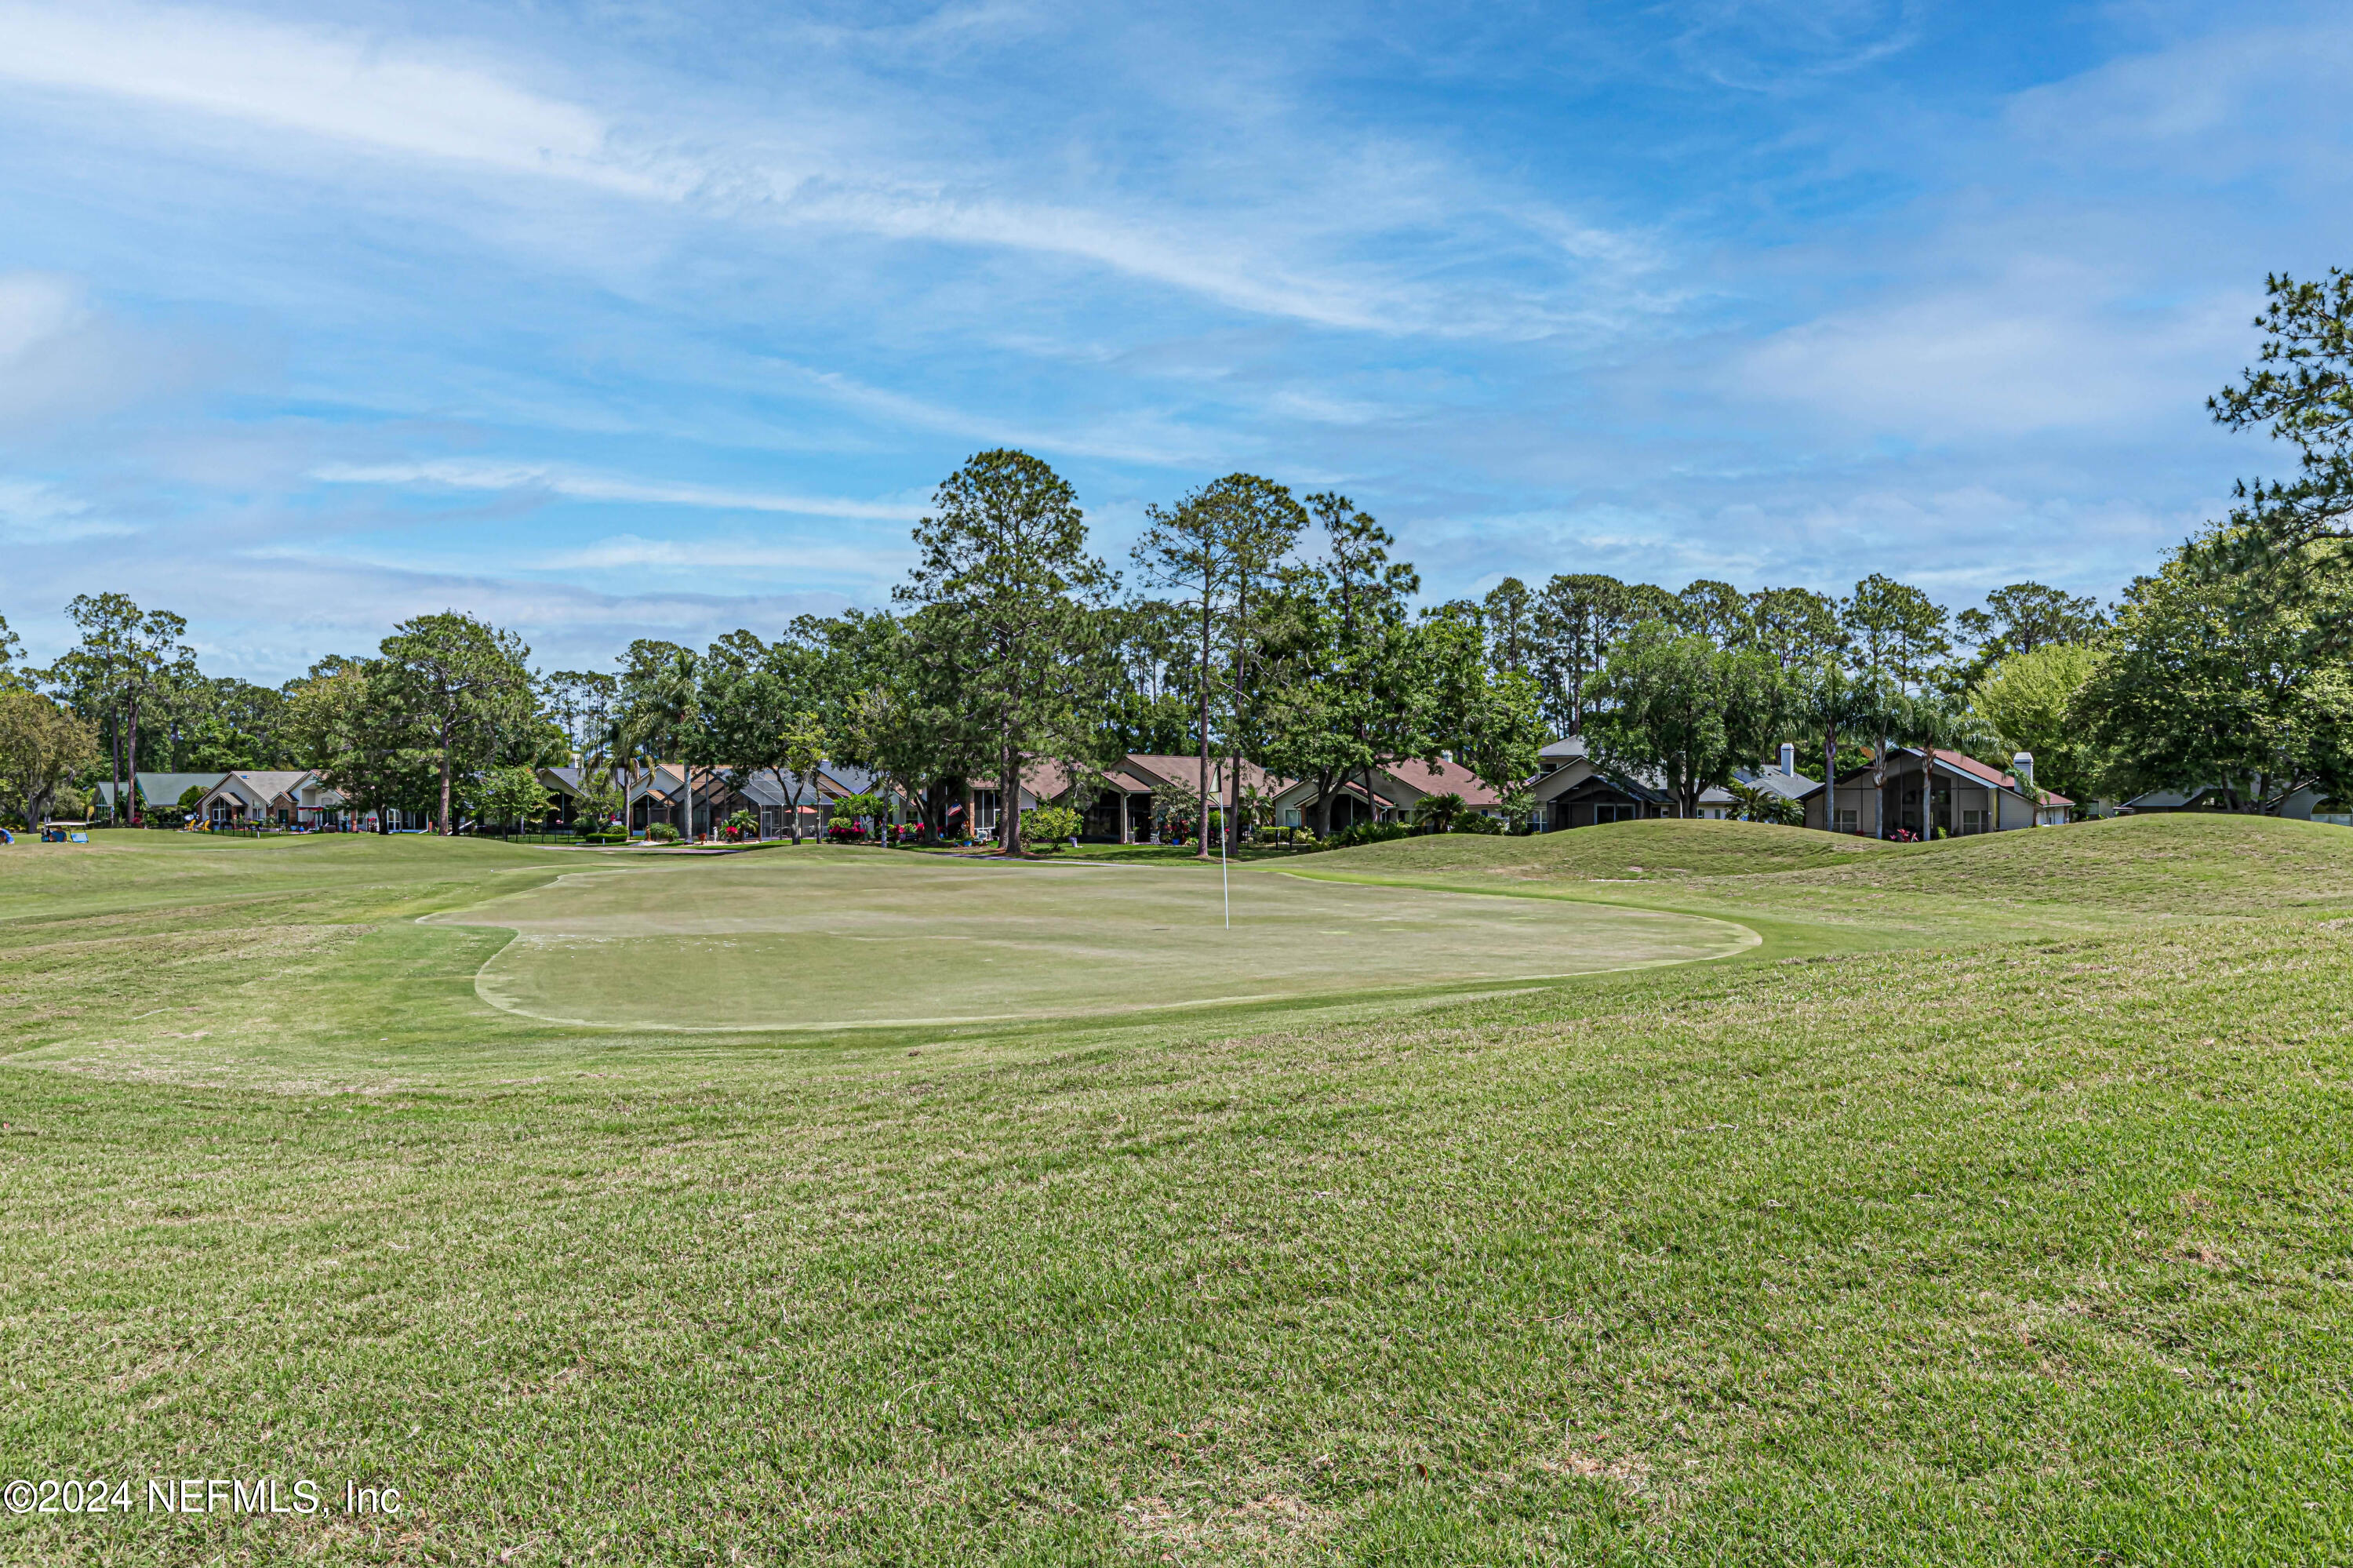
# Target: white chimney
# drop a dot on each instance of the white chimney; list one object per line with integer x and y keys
{"x": 2022, "y": 765}
{"x": 1788, "y": 759}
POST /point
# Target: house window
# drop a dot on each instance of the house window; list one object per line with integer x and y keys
{"x": 1607, "y": 813}
{"x": 1973, "y": 822}
{"x": 1849, "y": 820}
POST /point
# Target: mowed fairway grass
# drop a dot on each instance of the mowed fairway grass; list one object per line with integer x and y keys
{"x": 1989, "y": 1206}
{"x": 828, "y": 938}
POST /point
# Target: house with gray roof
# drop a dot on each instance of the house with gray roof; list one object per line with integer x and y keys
{"x": 285, "y": 797}
{"x": 154, "y": 790}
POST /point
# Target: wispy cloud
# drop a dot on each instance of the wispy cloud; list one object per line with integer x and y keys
{"x": 318, "y": 81}
{"x": 32, "y": 513}
{"x": 1301, "y": 255}
{"x": 459, "y": 473}
{"x": 1766, "y": 290}
{"x": 818, "y": 557}
{"x": 2043, "y": 348}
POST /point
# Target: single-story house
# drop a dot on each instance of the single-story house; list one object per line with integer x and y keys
{"x": 779, "y": 798}
{"x": 2307, "y": 804}
{"x": 775, "y": 796}
{"x": 664, "y": 793}
{"x": 1131, "y": 800}
{"x": 285, "y": 797}
{"x": 562, "y": 785}
{"x": 1962, "y": 796}
{"x": 1573, "y": 791}
{"x": 1783, "y": 779}
{"x": 1118, "y": 800}
{"x": 156, "y": 789}
{"x": 1397, "y": 793}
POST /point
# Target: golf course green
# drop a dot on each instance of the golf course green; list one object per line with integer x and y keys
{"x": 1994, "y": 1206}
{"x": 831, "y": 939}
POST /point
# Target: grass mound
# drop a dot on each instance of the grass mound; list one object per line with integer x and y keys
{"x": 2180, "y": 864}
{"x": 2174, "y": 865}
{"x": 1614, "y": 851}
{"x": 119, "y": 873}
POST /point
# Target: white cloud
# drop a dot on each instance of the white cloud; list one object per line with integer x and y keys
{"x": 1764, "y": 45}
{"x": 624, "y": 550}
{"x": 268, "y": 624}
{"x": 1286, "y": 242}
{"x": 2049, "y": 347}
{"x": 37, "y": 308}
{"x": 34, "y": 514}
{"x": 316, "y": 81}
{"x": 472, "y": 474}
{"x": 62, "y": 356}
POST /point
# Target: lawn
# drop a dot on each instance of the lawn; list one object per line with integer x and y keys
{"x": 1991, "y": 1208}
{"x": 830, "y": 938}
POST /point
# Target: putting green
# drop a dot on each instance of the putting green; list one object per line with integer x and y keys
{"x": 819, "y": 939}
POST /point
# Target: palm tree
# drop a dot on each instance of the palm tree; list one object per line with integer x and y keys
{"x": 1933, "y": 725}
{"x": 1834, "y": 700}
{"x": 625, "y": 747}
{"x": 662, "y": 718}
{"x": 680, "y": 696}
{"x": 1437, "y": 812}
{"x": 1759, "y": 804}
{"x": 804, "y": 745}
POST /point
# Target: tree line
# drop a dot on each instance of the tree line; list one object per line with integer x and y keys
{"x": 1252, "y": 625}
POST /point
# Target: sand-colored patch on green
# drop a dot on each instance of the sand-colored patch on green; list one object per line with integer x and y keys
{"x": 873, "y": 941}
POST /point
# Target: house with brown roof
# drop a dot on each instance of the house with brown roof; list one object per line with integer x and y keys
{"x": 1393, "y": 793}
{"x": 1129, "y": 801}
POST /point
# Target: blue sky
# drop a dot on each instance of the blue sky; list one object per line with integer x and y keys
{"x": 611, "y": 321}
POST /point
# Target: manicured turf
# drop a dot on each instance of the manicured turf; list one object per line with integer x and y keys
{"x": 1995, "y": 1209}
{"x": 1628, "y": 852}
{"x": 825, "y": 939}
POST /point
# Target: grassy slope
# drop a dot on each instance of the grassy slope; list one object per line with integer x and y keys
{"x": 2037, "y": 1250}
{"x": 1618, "y": 852}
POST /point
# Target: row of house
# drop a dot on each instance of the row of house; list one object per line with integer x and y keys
{"x": 1133, "y": 799}
{"x": 294, "y": 798}
{"x": 1128, "y": 803}
{"x": 1908, "y": 790}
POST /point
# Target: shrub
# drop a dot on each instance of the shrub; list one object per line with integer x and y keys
{"x": 1472, "y": 822}
{"x": 1052, "y": 826}
{"x": 662, "y": 833}
{"x": 1368, "y": 833}
{"x": 740, "y": 826}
